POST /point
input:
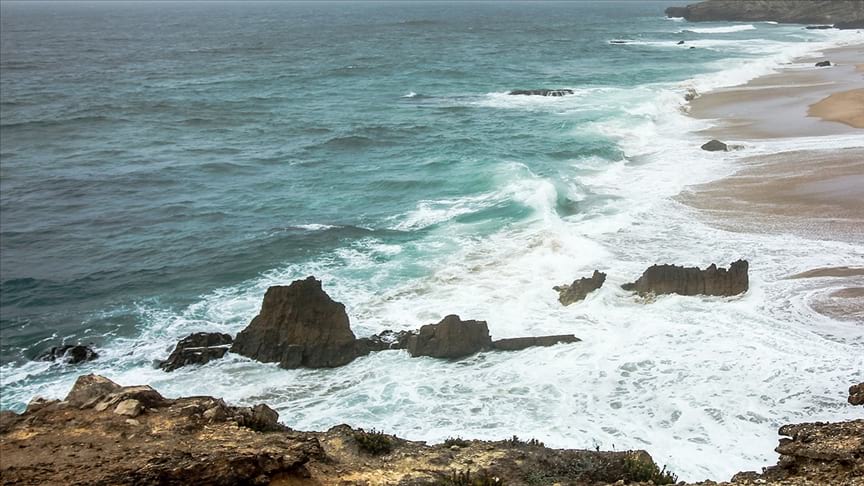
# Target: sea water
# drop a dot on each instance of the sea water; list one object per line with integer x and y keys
{"x": 164, "y": 163}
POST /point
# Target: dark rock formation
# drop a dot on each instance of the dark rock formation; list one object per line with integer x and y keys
{"x": 783, "y": 11}
{"x": 823, "y": 63}
{"x": 542, "y": 92}
{"x": 856, "y": 394}
{"x": 516, "y": 344}
{"x": 299, "y": 326}
{"x": 451, "y": 338}
{"x": 70, "y": 353}
{"x": 715, "y": 146}
{"x": 850, "y": 25}
{"x": 204, "y": 441}
{"x": 680, "y": 42}
{"x": 691, "y": 94}
{"x": 579, "y": 289}
{"x": 198, "y": 348}
{"x": 383, "y": 341}
{"x": 819, "y": 27}
{"x": 672, "y": 279}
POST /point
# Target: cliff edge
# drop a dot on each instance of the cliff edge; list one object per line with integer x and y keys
{"x": 840, "y": 13}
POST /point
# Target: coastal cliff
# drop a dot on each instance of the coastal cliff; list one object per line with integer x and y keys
{"x": 841, "y": 13}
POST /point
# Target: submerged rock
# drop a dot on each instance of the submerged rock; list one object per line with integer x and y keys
{"x": 451, "y": 338}
{"x": 680, "y": 42}
{"x": 856, "y": 394}
{"x": 691, "y": 94}
{"x": 70, "y": 353}
{"x": 715, "y": 146}
{"x": 672, "y": 279}
{"x": 299, "y": 325}
{"x": 579, "y": 289}
{"x": 542, "y": 92}
{"x": 516, "y": 344}
{"x": 823, "y": 64}
{"x": 198, "y": 348}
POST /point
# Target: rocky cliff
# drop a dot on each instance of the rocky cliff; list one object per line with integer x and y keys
{"x": 848, "y": 13}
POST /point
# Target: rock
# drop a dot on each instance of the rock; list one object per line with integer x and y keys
{"x": 850, "y": 25}
{"x": 260, "y": 417}
{"x": 299, "y": 325}
{"x": 856, "y": 394}
{"x": 691, "y": 94}
{"x": 89, "y": 389}
{"x": 823, "y": 64}
{"x": 783, "y": 11}
{"x": 70, "y": 353}
{"x": 579, "y": 289}
{"x": 618, "y": 42}
{"x": 819, "y": 27}
{"x": 672, "y": 279}
{"x": 130, "y": 408}
{"x": 383, "y": 341}
{"x": 516, "y": 344}
{"x": 680, "y": 42}
{"x": 146, "y": 396}
{"x": 451, "y": 338}
{"x": 198, "y": 348}
{"x": 542, "y": 92}
{"x": 38, "y": 403}
{"x": 715, "y": 146}
{"x": 692, "y": 47}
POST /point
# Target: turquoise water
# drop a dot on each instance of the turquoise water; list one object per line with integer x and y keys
{"x": 163, "y": 163}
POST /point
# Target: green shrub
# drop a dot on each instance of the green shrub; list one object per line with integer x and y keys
{"x": 638, "y": 468}
{"x": 374, "y": 442}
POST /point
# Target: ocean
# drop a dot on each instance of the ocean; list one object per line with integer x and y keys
{"x": 164, "y": 163}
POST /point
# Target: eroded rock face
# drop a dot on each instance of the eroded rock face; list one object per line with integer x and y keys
{"x": 198, "y": 348}
{"x": 672, "y": 279}
{"x": 856, "y": 394}
{"x": 451, "y": 338}
{"x": 542, "y": 92}
{"x": 299, "y": 326}
{"x": 90, "y": 388}
{"x": 70, "y": 353}
{"x": 715, "y": 146}
{"x": 783, "y": 11}
{"x": 579, "y": 289}
{"x": 516, "y": 344}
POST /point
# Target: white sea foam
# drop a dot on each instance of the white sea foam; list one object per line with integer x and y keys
{"x": 720, "y": 30}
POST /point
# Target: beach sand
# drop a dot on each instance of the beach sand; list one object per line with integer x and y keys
{"x": 816, "y": 194}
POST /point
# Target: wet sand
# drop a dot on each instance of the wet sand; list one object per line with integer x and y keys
{"x": 816, "y": 194}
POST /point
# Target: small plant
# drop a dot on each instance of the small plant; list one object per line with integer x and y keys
{"x": 463, "y": 478}
{"x": 516, "y": 441}
{"x": 640, "y": 469}
{"x": 456, "y": 441}
{"x": 374, "y": 442}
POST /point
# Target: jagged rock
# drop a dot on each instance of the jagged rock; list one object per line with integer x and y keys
{"x": 260, "y": 417}
{"x": 579, "y": 289}
{"x": 198, "y": 348}
{"x": 451, "y": 338}
{"x": 715, "y": 146}
{"x": 88, "y": 389}
{"x": 542, "y": 92}
{"x": 783, "y": 11}
{"x": 691, "y": 94}
{"x": 672, "y": 279}
{"x": 516, "y": 344}
{"x": 299, "y": 325}
{"x": 130, "y": 408}
{"x": 38, "y": 403}
{"x": 680, "y": 42}
{"x": 819, "y": 27}
{"x": 856, "y": 394}
{"x": 383, "y": 341}
{"x": 70, "y": 353}
{"x": 823, "y": 64}
{"x": 144, "y": 395}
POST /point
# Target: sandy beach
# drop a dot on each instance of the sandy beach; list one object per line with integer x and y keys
{"x": 815, "y": 194}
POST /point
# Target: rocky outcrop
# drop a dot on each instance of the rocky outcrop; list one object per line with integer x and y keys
{"x": 579, "y": 289}
{"x": 197, "y": 349}
{"x": 383, "y": 341}
{"x": 516, "y": 344}
{"x": 823, "y": 64}
{"x": 202, "y": 440}
{"x": 856, "y": 394}
{"x": 70, "y": 354}
{"x": 850, "y": 25}
{"x": 451, "y": 338}
{"x": 672, "y": 279}
{"x": 783, "y": 11}
{"x": 715, "y": 146}
{"x": 299, "y": 326}
{"x": 542, "y": 92}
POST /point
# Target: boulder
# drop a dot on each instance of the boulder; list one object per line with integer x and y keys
{"x": 70, "y": 353}
{"x": 88, "y": 389}
{"x": 680, "y": 42}
{"x": 299, "y": 325}
{"x": 856, "y": 394}
{"x": 516, "y": 344}
{"x": 198, "y": 348}
{"x": 451, "y": 338}
{"x": 260, "y": 417}
{"x": 823, "y": 64}
{"x": 383, "y": 341}
{"x": 715, "y": 146}
{"x": 568, "y": 294}
{"x": 691, "y": 94}
{"x": 672, "y": 279}
{"x": 542, "y": 92}
{"x": 143, "y": 395}
{"x": 130, "y": 408}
